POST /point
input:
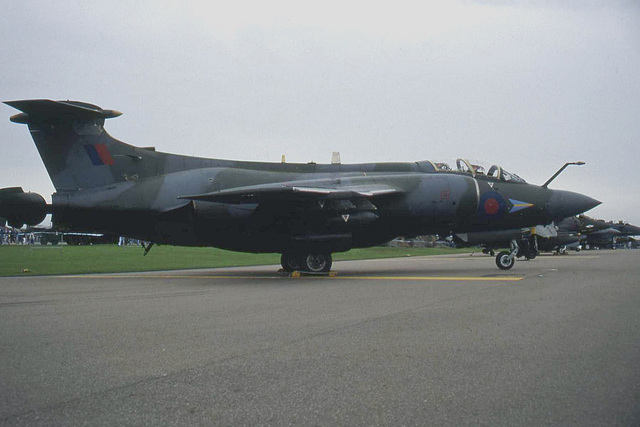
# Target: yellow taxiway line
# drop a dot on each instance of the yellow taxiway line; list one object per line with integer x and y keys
{"x": 440, "y": 278}
{"x": 399, "y": 278}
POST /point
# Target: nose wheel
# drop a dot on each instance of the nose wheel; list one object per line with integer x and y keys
{"x": 504, "y": 261}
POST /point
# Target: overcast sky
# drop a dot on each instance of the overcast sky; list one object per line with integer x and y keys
{"x": 528, "y": 85}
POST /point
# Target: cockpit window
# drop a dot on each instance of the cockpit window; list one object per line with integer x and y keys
{"x": 476, "y": 168}
{"x": 512, "y": 177}
{"x": 495, "y": 171}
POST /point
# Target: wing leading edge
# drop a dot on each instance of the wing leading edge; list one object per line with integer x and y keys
{"x": 293, "y": 191}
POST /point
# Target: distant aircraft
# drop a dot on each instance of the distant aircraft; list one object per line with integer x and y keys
{"x": 530, "y": 241}
{"x": 305, "y": 212}
{"x": 566, "y": 233}
{"x": 609, "y": 234}
{"x": 572, "y": 232}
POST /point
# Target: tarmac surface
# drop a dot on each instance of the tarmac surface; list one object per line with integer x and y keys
{"x": 446, "y": 340}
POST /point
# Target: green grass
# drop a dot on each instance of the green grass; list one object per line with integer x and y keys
{"x": 41, "y": 260}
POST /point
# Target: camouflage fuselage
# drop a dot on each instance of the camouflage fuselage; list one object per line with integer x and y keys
{"x": 105, "y": 185}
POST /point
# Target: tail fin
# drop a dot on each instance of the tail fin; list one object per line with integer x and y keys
{"x": 76, "y": 150}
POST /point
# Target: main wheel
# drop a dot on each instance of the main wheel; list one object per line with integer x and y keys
{"x": 316, "y": 263}
{"x": 290, "y": 262}
{"x": 504, "y": 262}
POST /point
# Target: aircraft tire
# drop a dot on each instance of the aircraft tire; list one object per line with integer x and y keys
{"x": 290, "y": 262}
{"x": 503, "y": 262}
{"x": 316, "y": 263}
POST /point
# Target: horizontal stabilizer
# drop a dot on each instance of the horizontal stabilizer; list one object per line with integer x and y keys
{"x": 43, "y": 109}
{"x": 294, "y": 191}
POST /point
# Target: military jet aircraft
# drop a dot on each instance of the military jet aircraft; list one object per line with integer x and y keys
{"x": 609, "y": 234}
{"x": 530, "y": 240}
{"x": 571, "y": 232}
{"x": 305, "y": 212}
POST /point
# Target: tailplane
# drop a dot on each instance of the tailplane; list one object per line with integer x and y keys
{"x": 75, "y": 148}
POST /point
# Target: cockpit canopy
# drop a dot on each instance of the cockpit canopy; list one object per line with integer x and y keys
{"x": 473, "y": 168}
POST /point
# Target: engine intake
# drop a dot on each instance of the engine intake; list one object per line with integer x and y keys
{"x": 21, "y": 208}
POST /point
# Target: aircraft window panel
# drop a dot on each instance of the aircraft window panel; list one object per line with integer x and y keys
{"x": 495, "y": 172}
{"x": 478, "y": 169}
{"x": 464, "y": 166}
{"x": 475, "y": 168}
{"x": 512, "y": 177}
{"x": 441, "y": 165}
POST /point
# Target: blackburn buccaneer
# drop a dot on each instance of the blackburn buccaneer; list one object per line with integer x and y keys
{"x": 610, "y": 234}
{"x": 305, "y": 212}
{"x": 565, "y": 234}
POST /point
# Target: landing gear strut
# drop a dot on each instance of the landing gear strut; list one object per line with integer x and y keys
{"x": 312, "y": 263}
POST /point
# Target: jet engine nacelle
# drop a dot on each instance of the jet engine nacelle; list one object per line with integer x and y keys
{"x": 21, "y": 208}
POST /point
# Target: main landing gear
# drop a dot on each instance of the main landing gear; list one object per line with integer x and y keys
{"x": 310, "y": 263}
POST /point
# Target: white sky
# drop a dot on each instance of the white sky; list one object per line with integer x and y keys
{"x": 527, "y": 85}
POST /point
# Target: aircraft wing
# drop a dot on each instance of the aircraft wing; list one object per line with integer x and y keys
{"x": 294, "y": 191}
{"x": 605, "y": 232}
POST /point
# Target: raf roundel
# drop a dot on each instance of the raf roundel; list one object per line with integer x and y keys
{"x": 492, "y": 204}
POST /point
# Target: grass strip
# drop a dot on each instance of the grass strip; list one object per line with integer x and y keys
{"x": 47, "y": 260}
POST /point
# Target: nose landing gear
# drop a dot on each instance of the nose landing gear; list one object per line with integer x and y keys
{"x": 504, "y": 260}
{"x": 527, "y": 248}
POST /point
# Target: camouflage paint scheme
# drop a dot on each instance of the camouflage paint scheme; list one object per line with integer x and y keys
{"x": 105, "y": 185}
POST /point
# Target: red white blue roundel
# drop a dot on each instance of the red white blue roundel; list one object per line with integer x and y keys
{"x": 492, "y": 204}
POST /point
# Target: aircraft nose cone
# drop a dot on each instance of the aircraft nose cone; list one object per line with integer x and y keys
{"x": 563, "y": 204}
{"x": 632, "y": 230}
